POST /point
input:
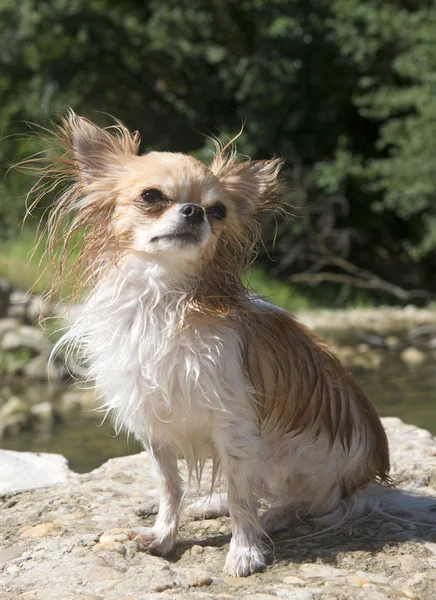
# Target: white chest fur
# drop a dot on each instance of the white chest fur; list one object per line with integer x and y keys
{"x": 155, "y": 378}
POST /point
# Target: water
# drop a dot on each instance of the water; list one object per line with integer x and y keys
{"x": 396, "y": 390}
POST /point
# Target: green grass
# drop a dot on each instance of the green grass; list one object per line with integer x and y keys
{"x": 17, "y": 266}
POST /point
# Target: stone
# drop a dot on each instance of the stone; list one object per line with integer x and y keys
{"x": 372, "y": 577}
{"x": 26, "y": 470}
{"x": 109, "y": 547}
{"x": 292, "y": 580}
{"x": 113, "y": 537}
{"x": 42, "y": 412}
{"x": 26, "y": 336}
{"x": 40, "y": 530}
{"x": 357, "y": 560}
{"x": 8, "y": 324}
{"x": 199, "y": 579}
{"x": 324, "y": 571}
{"x": 14, "y": 417}
{"x": 412, "y": 357}
{"x": 41, "y": 369}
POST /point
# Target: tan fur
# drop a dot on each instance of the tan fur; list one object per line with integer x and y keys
{"x": 300, "y": 385}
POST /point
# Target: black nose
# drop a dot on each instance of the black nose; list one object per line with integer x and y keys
{"x": 193, "y": 213}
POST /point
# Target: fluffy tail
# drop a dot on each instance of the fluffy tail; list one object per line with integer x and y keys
{"x": 404, "y": 505}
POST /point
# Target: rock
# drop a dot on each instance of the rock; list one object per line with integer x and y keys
{"x": 14, "y": 417}
{"x": 14, "y": 406}
{"x": 324, "y": 571}
{"x": 199, "y": 579}
{"x": 392, "y": 342}
{"x": 353, "y": 357}
{"x": 36, "y": 308}
{"x": 25, "y": 470}
{"x": 26, "y": 336}
{"x": 74, "y": 400}
{"x": 8, "y": 324}
{"x": 109, "y": 547}
{"x": 41, "y": 369}
{"x": 43, "y": 413}
{"x": 412, "y": 356}
{"x": 113, "y": 537}
{"x": 74, "y": 544}
{"x": 292, "y": 580}
{"x": 18, "y": 301}
{"x": 40, "y": 530}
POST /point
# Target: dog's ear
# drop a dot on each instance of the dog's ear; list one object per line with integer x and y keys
{"x": 253, "y": 185}
{"x": 95, "y": 150}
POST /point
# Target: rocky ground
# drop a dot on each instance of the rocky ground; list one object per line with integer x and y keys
{"x": 71, "y": 541}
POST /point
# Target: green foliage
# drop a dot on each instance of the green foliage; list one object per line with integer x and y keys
{"x": 343, "y": 89}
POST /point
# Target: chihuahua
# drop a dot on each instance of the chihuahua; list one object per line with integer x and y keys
{"x": 185, "y": 358}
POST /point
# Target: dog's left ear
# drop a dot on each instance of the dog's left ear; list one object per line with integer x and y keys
{"x": 253, "y": 185}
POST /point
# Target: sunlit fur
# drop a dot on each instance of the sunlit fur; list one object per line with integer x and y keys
{"x": 185, "y": 359}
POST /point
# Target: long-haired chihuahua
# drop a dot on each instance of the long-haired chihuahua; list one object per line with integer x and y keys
{"x": 185, "y": 358}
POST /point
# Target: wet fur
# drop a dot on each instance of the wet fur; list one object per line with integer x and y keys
{"x": 186, "y": 360}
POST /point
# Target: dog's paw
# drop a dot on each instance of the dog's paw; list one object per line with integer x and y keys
{"x": 240, "y": 562}
{"x": 149, "y": 539}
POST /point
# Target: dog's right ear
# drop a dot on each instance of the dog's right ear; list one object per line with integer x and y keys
{"x": 94, "y": 150}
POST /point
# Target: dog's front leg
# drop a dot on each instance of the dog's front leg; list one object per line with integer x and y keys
{"x": 240, "y": 448}
{"x": 162, "y": 536}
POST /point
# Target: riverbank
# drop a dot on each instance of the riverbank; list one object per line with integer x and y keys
{"x": 71, "y": 541}
{"x": 391, "y": 351}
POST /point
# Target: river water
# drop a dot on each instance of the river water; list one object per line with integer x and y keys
{"x": 408, "y": 392}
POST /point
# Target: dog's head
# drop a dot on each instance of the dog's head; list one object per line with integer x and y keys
{"x": 163, "y": 207}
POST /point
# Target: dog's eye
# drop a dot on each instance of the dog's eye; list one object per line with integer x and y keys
{"x": 218, "y": 211}
{"x": 152, "y": 196}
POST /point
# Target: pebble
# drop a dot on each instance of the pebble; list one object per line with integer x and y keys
{"x": 113, "y": 537}
{"x": 412, "y": 356}
{"x": 211, "y": 525}
{"x": 87, "y": 597}
{"x": 372, "y": 577}
{"x": 311, "y": 570}
{"x": 197, "y": 549}
{"x": 199, "y": 579}
{"x": 292, "y": 580}
{"x": 161, "y": 587}
{"x": 40, "y": 530}
{"x": 110, "y": 547}
{"x": 73, "y": 516}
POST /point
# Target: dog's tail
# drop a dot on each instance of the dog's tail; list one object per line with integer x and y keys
{"x": 404, "y": 505}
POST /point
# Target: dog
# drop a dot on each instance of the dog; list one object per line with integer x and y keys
{"x": 185, "y": 358}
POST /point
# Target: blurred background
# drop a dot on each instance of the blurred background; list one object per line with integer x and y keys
{"x": 344, "y": 90}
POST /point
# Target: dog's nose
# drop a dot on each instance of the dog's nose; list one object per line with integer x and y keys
{"x": 193, "y": 213}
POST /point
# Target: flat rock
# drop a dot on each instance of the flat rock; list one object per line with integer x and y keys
{"x": 71, "y": 540}
{"x": 26, "y": 470}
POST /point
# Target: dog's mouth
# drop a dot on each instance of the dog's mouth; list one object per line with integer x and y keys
{"x": 187, "y": 237}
